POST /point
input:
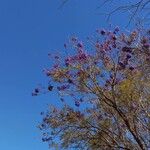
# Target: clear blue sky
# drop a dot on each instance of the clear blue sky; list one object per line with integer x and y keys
{"x": 29, "y": 30}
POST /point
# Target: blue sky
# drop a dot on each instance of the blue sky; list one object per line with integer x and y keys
{"x": 29, "y": 30}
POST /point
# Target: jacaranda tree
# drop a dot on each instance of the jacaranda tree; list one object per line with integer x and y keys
{"x": 104, "y": 89}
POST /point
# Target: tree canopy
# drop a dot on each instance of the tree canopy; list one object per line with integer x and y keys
{"x": 107, "y": 80}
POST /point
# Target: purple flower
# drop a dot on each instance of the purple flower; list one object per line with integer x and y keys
{"x": 50, "y": 87}
{"x": 107, "y": 81}
{"x": 82, "y": 56}
{"x": 128, "y": 56}
{"x": 117, "y": 29}
{"x": 70, "y": 81}
{"x": 114, "y": 37}
{"x": 133, "y": 106}
{"x": 103, "y": 32}
{"x": 81, "y": 100}
{"x": 144, "y": 40}
{"x": 126, "y": 61}
{"x": 131, "y": 68}
{"x": 56, "y": 66}
{"x": 114, "y": 45}
{"x": 56, "y": 57}
{"x": 68, "y": 61}
{"x": 63, "y": 87}
{"x": 62, "y": 99}
{"x": 100, "y": 117}
{"x": 117, "y": 81}
{"x": 146, "y": 46}
{"x": 80, "y": 45}
{"x": 65, "y": 45}
{"x": 126, "y": 49}
{"x": 74, "y": 39}
{"x": 97, "y": 45}
{"x": 36, "y": 90}
{"x": 148, "y": 59}
{"x": 77, "y": 103}
{"x": 111, "y": 76}
{"x": 48, "y": 73}
{"x": 46, "y": 139}
{"x": 42, "y": 113}
{"x": 122, "y": 65}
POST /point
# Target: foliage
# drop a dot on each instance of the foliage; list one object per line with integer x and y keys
{"x": 108, "y": 80}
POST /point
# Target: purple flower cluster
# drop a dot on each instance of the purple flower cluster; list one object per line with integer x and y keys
{"x": 80, "y": 45}
{"x": 77, "y": 103}
{"x": 127, "y": 49}
{"x": 122, "y": 65}
{"x": 131, "y": 68}
{"x": 82, "y": 56}
{"x": 63, "y": 87}
{"x": 146, "y": 45}
{"x": 50, "y": 87}
{"x": 68, "y": 61}
{"x": 35, "y": 92}
{"x": 128, "y": 56}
